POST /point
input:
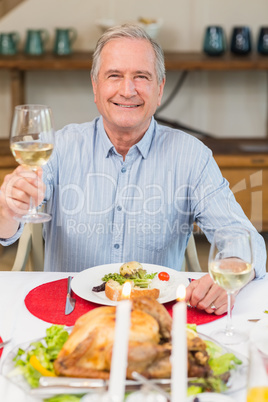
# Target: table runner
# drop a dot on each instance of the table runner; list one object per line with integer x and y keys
{"x": 47, "y": 302}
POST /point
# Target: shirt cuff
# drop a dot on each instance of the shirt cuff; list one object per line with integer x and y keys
{"x": 13, "y": 239}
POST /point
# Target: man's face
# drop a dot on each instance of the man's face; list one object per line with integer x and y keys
{"x": 127, "y": 92}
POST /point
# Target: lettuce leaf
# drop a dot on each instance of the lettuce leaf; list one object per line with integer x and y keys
{"x": 192, "y": 327}
{"x": 223, "y": 363}
{"x": 193, "y": 390}
{"x": 210, "y": 384}
{"x": 213, "y": 349}
{"x": 64, "y": 398}
{"x": 46, "y": 351}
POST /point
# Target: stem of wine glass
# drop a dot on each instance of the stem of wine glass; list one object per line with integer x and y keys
{"x": 32, "y": 207}
{"x": 229, "y": 325}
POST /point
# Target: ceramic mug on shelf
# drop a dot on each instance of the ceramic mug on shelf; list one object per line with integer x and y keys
{"x": 241, "y": 40}
{"x": 64, "y": 39}
{"x": 263, "y": 41}
{"x": 214, "y": 41}
{"x": 9, "y": 42}
{"x": 35, "y": 41}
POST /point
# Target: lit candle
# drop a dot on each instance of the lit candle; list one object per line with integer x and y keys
{"x": 179, "y": 349}
{"x": 120, "y": 349}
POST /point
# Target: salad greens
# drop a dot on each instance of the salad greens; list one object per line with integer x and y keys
{"x": 64, "y": 398}
{"x": 220, "y": 365}
{"x": 139, "y": 278}
{"x": 224, "y": 363}
{"x": 46, "y": 351}
{"x": 210, "y": 384}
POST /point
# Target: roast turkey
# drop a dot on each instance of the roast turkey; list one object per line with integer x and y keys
{"x": 88, "y": 351}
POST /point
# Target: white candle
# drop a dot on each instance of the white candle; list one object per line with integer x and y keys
{"x": 179, "y": 349}
{"x": 120, "y": 350}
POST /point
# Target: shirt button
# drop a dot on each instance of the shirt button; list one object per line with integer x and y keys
{"x": 116, "y": 246}
{"x": 119, "y": 208}
{"x": 123, "y": 170}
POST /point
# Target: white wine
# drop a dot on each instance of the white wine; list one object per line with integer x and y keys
{"x": 31, "y": 153}
{"x": 231, "y": 273}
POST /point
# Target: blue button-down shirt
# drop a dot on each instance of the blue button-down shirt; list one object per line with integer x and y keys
{"x": 105, "y": 209}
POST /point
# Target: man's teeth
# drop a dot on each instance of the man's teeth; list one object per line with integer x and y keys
{"x": 129, "y": 106}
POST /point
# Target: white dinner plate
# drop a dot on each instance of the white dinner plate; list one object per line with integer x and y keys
{"x": 84, "y": 281}
{"x": 259, "y": 335}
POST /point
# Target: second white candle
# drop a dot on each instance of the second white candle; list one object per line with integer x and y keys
{"x": 179, "y": 359}
{"x": 120, "y": 352}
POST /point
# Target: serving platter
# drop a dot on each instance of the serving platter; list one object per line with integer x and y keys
{"x": 211, "y": 397}
{"x": 83, "y": 282}
{"x": 237, "y": 380}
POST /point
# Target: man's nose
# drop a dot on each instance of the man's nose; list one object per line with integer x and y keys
{"x": 128, "y": 88}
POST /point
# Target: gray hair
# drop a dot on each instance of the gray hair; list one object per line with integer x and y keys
{"x": 133, "y": 32}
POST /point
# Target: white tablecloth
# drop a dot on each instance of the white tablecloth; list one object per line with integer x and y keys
{"x": 17, "y": 323}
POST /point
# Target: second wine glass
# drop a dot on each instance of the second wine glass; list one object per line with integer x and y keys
{"x": 230, "y": 267}
{"x": 31, "y": 143}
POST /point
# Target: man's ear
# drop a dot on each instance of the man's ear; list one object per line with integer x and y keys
{"x": 94, "y": 87}
{"x": 160, "y": 92}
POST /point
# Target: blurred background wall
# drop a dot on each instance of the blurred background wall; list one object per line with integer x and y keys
{"x": 225, "y": 104}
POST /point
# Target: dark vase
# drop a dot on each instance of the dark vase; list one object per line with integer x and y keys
{"x": 262, "y": 44}
{"x": 241, "y": 40}
{"x": 214, "y": 41}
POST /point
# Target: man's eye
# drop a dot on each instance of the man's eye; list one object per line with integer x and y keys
{"x": 113, "y": 76}
{"x": 143, "y": 77}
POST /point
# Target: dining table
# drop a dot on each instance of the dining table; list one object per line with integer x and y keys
{"x": 18, "y": 324}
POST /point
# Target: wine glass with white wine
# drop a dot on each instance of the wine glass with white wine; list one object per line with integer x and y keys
{"x": 230, "y": 266}
{"x": 31, "y": 143}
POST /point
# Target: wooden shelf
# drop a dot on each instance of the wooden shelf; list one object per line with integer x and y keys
{"x": 244, "y": 152}
{"x": 226, "y": 62}
{"x": 238, "y": 159}
{"x": 174, "y": 61}
{"x": 20, "y": 63}
{"x": 7, "y": 160}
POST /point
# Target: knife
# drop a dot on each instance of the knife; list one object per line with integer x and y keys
{"x": 2, "y": 344}
{"x": 70, "y": 301}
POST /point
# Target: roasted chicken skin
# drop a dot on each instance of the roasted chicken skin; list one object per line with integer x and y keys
{"x": 88, "y": 351}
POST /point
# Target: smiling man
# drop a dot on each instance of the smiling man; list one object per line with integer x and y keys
{"x": 122, "y": 187}
{"x": 127, "y": 89}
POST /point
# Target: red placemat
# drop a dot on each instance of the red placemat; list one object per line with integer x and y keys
{"x": 47, "y": 302}
{"x": 195, "y": 316}
{"x": 1, "y": 350}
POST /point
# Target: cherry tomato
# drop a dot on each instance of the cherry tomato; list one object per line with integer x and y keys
{"x": 163, "y": 276}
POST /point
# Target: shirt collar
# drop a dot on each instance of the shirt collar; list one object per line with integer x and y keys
{"x": 143, "y": 145}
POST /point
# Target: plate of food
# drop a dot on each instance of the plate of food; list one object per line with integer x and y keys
{"x": 84, "y": 351}
{"x": 103, "y": 284}
{"x": 62, "y": 358}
